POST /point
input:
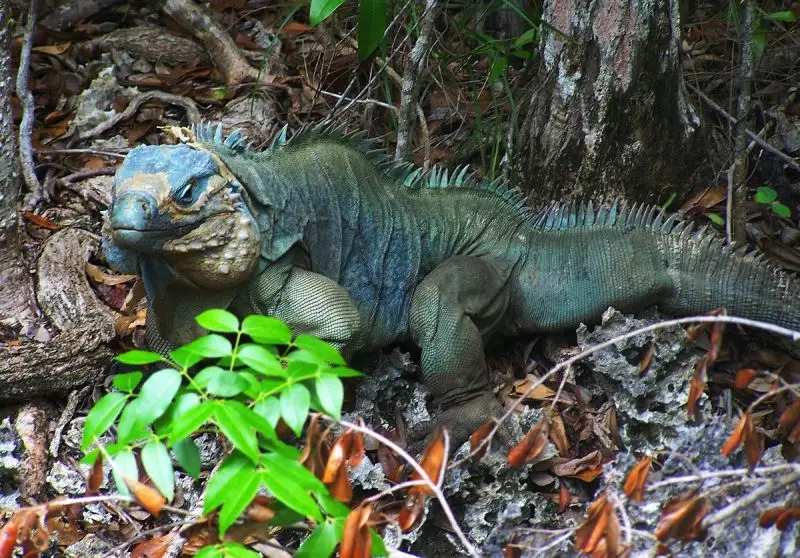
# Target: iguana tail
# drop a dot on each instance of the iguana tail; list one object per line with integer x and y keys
{"x": 708, "y": 274}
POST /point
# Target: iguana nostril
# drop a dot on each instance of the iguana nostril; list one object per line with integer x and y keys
{"x": 133, "y": 210}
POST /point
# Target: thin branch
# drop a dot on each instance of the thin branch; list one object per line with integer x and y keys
{"x": 28, "y": 110}
{"x": 435, "y": 488}
{"x": 793, "y": 164}
{"x": 700, "y": 477}
{"x": 409, "y": 83}
{"x": 750, "y": 499}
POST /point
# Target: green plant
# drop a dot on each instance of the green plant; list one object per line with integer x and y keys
{"x": 769, "y": 197}
{"x": 247, "y": 386}
{"x": 371, "y": 21}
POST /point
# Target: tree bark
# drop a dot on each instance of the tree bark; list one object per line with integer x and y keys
{"x": 611, "y": 115}
{"x": 16, "y": 292}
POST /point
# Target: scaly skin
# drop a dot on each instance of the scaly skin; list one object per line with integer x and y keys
{"x": 329, "y": 236}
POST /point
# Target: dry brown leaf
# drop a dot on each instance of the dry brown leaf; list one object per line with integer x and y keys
{"x": 40, "y": 221}
{"x": 55, "y": 50}
{"x": 146, "y": 496}
{"x": 95, "y": 480}
{"x": 531, "y": 446}
{"x": 412, "y": 508}
{"x": 260, "y": 509}
{"x": 356, "y": 540}
{"x": 637, "y": 478}
{"x": 477, "y": 438}
{"x": 736, "y": 437}
{"x": 153, "y": 548}
{"x": 431, "y": 462}
{"x": 340, "y": 486}
{"x": 358, "y": 450}
{"x": 563, "y": 497}
{"x": 682, "y": 518}
{"x": 8, "y": 536}
{"x": 539, "y": 393}
{"x": 558, "y": 433}
{"x": 644, "y": 364}
{"x": 588, "y": 465}
{"x": 696, "y": 388}
{"x": 599, "y": 534}
{"x": 790, "y": 417}
{"x": 744, "y": 377}
{"x": 101, "y": 277}
{"x": 338, "y": 455}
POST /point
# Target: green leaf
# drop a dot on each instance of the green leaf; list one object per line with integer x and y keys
{"x": 321, "y": 9}
{"x": 252, "y": 418}
{"x": 293, "y": 472}
{"x": 290, "y": 494}
{"x": 210, "y": 552}
{"x": 371, "y": 26}
{"x": 183, "y": 357}
{"x": 237, "y": 550}
{"x": 218, "y": 320}
{"x": 319, "y": 348}
{"x": 127, "y": 382}
{"x": 260, "y": 359}
{"x": 132, "y": 422}
{"x": 190, "y": 421}
{"x": 782, "y": 210}
{"x": 124, "y": 466}
{"x": 765, "y": 194}
{"x": 266, "y": 330}
{"x": 716, "y": 219}
{"x": 378, "y": 546}
{"x": 206, "y": 375}
{"x": 270, "y": 409}
{"x": 102, "y": 416}
{"x": 302, "y": 368}
{"x": 330, "y": 394}
{"x": 246, "y": 482}
{"x": 188, "y": 456}
{"x": 527, "y": 37}
{"x": 321, "y": 542}
{"x": 157, "y": 393}
{"x": 331, "y": 506}
{"x": 137, "y": 357}
{"x": 237, "y": 430}
{"x": 786, "y": 15}
{"x": 227, "y": 384}
{"x": 222, "y": 482}
{"x": 758, "y": 40}
{"x": 158, "y": 466}
{"x": 210, "y": 346}
{"x": 182, "y": 403}
{"x": 295, "y": 401}
{"x": 343, "y": 372}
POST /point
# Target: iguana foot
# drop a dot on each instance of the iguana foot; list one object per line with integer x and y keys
{"x": 461, "y": 421}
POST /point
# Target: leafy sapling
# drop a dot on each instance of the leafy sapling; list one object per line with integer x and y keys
{"x": 253, "y": 374}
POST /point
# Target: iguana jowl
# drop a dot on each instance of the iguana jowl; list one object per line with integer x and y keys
{"x": 325, "y": 233}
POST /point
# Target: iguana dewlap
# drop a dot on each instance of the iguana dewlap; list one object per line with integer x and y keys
{"x": 328, "y": 235}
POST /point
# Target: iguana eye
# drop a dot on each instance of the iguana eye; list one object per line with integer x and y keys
{"x": 185, "y": 195}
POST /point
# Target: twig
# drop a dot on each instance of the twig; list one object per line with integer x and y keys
{"x": 790, "y": 333}
{"x": 794, "y": 165}
{"x": 408, "y": 85}
{"x": 435, "y": 488}
{"x": 719, "y": 474}
{"x": 737, "y": 173}
{"x": 192, "y": 114}
{"x": 121, "y": 154}
{"x": 28, "y": 109}
{"x": 749, "y": 499}
{"x": 359, "y": 101}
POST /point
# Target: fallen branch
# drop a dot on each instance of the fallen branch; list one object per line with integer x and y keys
{"x": 26, "y": 98}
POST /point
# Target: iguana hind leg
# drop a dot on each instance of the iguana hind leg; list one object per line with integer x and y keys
{"x": 453, "y": 309}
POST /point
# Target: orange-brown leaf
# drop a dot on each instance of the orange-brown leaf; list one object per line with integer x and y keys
{"x": 356, "y": 541}
{"x": 644, "y": 364}
{"x": 340, "y": 487}
{"x": 696, "y": 388}
{"x": 8, "y": 537}
{"x": 260, "y": 509}
{"x": 736, "y": 437}
{"x": 531, "y": 446}
{"x": 682, "y": 517}
{"x": 153, "y": 548}
{"x": 790, "y": 416}
{"x": 432, "y": 459}
{"x": 753, "y": 442}
{"x": 95, "y": 480}
{"x": 477, "y": 438}
{"x": 411, "y": 510}
{"x": 786, "y": 517}
{"x": 146, "y": 496}
{"x": 563, "y": 497}
{"x": 769, "y": 516}
{"x": 40, "y": 221}
{"x": 315, "y": 450}
{"x": 558, "y": 433}
{"x": 593, "y": 528}
{"x": 634, "y": 484}
{"x": 358, "y": 450}
{"x": 339, "y": 454}
{"x": 744, "y": 377}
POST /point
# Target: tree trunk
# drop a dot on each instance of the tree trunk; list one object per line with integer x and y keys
{"x": 611, "y": 116}
{"x": 16, "y": 293}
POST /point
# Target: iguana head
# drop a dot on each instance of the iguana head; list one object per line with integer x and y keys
{"x": 181, "y": 206}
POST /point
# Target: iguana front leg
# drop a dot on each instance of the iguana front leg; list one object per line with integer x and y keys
{"x": 453, "y": 309}
{"x": 307, "y": 302}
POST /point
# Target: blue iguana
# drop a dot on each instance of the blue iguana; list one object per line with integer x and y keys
{"x": 325, "y": 233}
